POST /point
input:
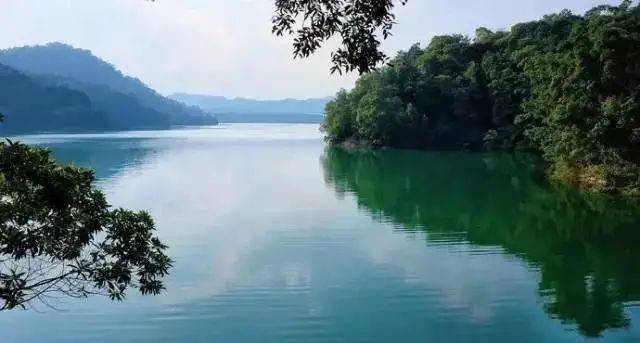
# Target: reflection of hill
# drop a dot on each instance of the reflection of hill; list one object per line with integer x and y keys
{"x": 585, "y": 247}
{"x": 105, "y": 157}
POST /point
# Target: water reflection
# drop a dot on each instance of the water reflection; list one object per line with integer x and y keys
{"x": 266, "y": 252}
{"x": 585, "y": 247}
{"x": 106, "y": 158}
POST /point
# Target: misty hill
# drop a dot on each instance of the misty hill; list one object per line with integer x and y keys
{"x": 125, "y": 101}
{"x": 223, "y": 104}
{"x": 251, "y": 110}
{"x": 28, "y": 105}
{"x": 118, "y": 106}
{"x": 270, "y": 117}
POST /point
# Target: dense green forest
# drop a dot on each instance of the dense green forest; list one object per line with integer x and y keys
{"x": 566, "y": 86}
{"x": 56, "y": 87}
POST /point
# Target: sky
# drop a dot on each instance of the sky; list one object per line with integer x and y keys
{"x": 225, "y": 47}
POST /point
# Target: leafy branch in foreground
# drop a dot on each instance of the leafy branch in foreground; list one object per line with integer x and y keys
{"x": 58, "y": 235}
{"x": 358, "y": 23}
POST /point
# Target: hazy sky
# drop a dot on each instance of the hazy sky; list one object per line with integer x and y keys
{"x": 225, "y": 47}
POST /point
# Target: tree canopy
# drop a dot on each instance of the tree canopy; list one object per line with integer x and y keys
{"x": 566, "y": 86}
{"x": 59, "y": 236}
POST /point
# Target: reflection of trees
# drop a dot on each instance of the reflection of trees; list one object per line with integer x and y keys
{"x": 584, "y": 246}
{"x": 105, "y": 156}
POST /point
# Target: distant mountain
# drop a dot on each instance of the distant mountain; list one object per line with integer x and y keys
{"x": 270, "y": 117}
{"x": 28, "y": 105}
{"x": 223, "y": 104}
{"x": 251, "y": 110}
{"x": 126, "y": 102}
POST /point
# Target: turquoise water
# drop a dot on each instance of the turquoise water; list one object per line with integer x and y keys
{"x": 277, "y": 238}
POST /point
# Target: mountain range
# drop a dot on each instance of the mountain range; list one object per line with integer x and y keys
{"x": 57, "y": 87}
{"x": 251, "y": 110}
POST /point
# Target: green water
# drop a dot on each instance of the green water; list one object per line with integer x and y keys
{"x": 277, "y": 238}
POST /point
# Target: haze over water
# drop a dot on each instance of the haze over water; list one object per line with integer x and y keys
{"x": 277, "y": 237}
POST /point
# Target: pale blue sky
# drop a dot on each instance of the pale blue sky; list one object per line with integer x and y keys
{"x": 225, "y": 47}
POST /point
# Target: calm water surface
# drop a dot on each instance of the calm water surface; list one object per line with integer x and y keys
{"x": 277, "y": 238}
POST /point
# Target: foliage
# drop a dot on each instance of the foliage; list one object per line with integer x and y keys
{"x": 358, "y": 24}
{"x": 58, "y": 235}
{"x": 567, "y": 86}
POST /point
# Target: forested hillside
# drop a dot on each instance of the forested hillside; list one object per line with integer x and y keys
{"x": 566, "y": 86}
{"x": 123, "y": 110}
{"x": 124, "y": 102}
{"x": 31, "y": 106}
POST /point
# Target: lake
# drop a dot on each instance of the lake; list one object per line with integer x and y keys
{"x": 278, "y": 238}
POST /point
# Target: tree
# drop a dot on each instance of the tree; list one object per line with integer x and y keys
{"x": 584, "y": 108}
{"x": 58, "y": 235}
{"x": 358, "y": 23}
{"x": 564, "y": 86}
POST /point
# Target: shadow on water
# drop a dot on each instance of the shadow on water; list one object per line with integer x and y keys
{"x": 105, "y": 157}
{"x": 585, "y": 247}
